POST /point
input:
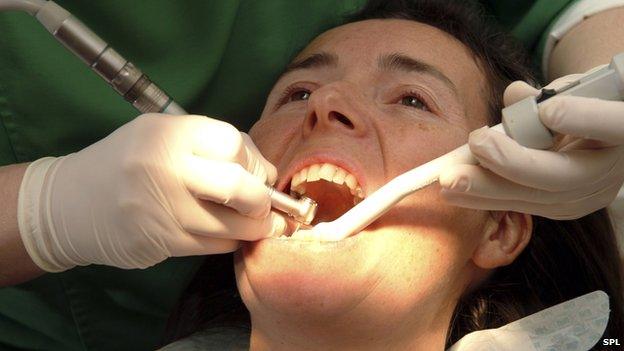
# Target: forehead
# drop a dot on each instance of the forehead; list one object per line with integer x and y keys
{"x": 365, "y": 40}
{"x": 360, "y": 44}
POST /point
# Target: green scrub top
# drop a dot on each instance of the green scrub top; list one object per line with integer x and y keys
{"x": 217, "y": 58}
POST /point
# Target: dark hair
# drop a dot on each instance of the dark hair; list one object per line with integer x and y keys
{"x": 563, "y": 260}
{"x": 210, "y": 300}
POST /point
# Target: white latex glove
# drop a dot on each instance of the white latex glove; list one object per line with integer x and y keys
{"x": 159, "y": 186}
{"x": 584, "y": 175}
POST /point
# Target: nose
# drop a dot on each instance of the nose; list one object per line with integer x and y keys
{"x": 335, "y": 107}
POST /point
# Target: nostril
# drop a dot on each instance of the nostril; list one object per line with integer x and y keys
{"x": 311, "y": 121}
{"x": 341, "y": 118}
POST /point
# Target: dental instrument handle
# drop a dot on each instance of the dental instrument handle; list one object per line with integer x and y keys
{"x": 520, "y": 121}
{"x": 129, "y": 82}
{"x": 125, "y": 78}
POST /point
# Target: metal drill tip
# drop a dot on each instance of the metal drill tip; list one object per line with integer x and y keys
{"x": 302, "y": 210}
{"x": 308, "y": 210}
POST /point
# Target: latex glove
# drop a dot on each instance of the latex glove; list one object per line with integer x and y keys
{"x": 157, "y": 187}
{"x": 584, "y": 175}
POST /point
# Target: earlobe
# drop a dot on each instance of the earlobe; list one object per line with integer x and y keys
{"x": 504, "y": 237}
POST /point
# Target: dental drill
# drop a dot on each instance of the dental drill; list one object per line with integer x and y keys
{"x": 128, "y": 81}
{"x": 520, "y": 121}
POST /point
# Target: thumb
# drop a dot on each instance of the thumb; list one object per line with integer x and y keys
{"x": 517, "y": 91}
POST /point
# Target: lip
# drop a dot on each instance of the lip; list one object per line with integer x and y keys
{"x": 296, "y": 246}
{"x": 331, "y": 157}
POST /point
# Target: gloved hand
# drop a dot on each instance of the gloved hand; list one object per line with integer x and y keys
{"x": 582, "y": 176}
{"x": 157, "y": 187}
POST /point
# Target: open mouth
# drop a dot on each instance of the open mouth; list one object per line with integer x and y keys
{"x": 334, "y": 189}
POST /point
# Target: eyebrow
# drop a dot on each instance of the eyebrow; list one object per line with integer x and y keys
{"x": 402, "y": 62}
{"x": 389, "y": 62}
{"x": 322, "y": 59}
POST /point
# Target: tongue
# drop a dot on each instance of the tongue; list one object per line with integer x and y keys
{"x": 333, "y": 200}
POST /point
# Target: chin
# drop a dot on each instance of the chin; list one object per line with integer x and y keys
{"x": 323, "y": 278}
{"x": 295, "y": 276}
{"x": 391, "y": 263}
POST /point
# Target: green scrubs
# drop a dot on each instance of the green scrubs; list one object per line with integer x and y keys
{"x": 217, "y": 58}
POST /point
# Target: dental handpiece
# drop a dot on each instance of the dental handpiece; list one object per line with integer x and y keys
{"x": 520, "y": 121}
{"x": 129, "y": 82}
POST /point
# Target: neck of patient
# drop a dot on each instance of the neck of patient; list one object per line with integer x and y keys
{"x": 347, "y": 333}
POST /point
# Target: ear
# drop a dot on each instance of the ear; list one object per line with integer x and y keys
{"x": 505, "y": 235}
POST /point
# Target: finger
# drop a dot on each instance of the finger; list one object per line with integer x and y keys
{"x": 257, "y": 164}
{"x": 478, "y": 182}
{"x": 562, "y": 211}
{"x": 517, "y": 91}
{"x": 227, "y": 184}
{"x": 191, "y": 245}
{"x": 546, "y": 170}
{"x": 583, "y": 117}
{"x": 216, "y": 221}
{"x": 217, "y": 140}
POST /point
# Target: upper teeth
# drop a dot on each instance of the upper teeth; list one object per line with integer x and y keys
{"x": 328, "y": 172}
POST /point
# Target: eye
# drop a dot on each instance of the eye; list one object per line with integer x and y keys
{"x": 299, "y": 95}
{"x": 293, "y": 94}
{"x": 414, "y": 101}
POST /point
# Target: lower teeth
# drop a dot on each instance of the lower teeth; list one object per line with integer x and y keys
{"x": 303, "y": 235}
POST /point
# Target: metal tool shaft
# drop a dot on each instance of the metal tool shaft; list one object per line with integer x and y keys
{"x": 125, "y": 78}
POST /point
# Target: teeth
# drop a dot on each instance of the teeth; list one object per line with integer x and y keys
{"x": 313, "y": 173}
{"x": 358, "y": 192}
{"x": 340, "y": 175}
{"x": 302, "y": 235}
{"x": 351, "y": 182}
{"x": 328, "y": 172}
{"x": 296, "y": 180}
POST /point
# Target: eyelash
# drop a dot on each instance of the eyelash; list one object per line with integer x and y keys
{"x": 418, "y": 96}
{"x": 287, "y": 94}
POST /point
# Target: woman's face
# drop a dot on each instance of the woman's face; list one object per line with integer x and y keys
{"x": 375, "y": 98}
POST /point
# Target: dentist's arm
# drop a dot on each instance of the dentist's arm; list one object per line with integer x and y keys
{"x": 15, "y": 264}
{"x": 590, "y": 43}
{"x": 157, "y": 187}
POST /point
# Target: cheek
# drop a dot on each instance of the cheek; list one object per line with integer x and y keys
{"x": 444, "y": 237}
{"x": 272, "y": 134}
{"x": 429, "y": 263}
{"x": 452, "y": 229}
{"x": 414, "y": 143}
{"x": 426, "y": 211}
